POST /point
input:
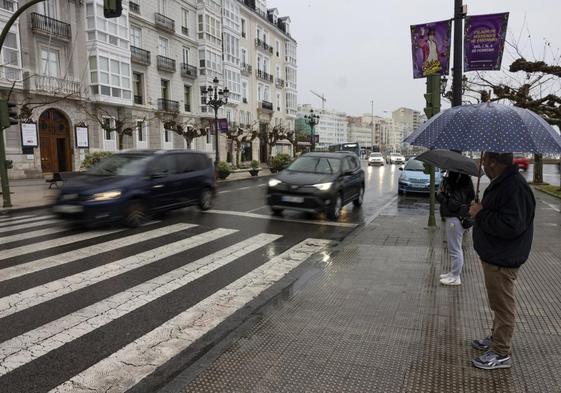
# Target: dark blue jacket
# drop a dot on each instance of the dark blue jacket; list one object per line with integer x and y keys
{"x": 504, "y": 228}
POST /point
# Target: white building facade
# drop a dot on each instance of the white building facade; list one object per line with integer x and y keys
{"x": 143, "y": 73}
{"x": 332, "y": 128}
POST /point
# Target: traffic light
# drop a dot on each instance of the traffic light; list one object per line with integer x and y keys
{"x": 112, "y": 8}
{"x": 8, "y": 114}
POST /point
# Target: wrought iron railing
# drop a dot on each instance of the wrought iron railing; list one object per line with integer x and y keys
{"x": 164, "y": 22}
{"x": 246, "y": 68}
{"x": 138, "y": 100}
{"x": 54, "y": 27}
{"x": 188, "y": 71}
{"x": 140, "y": 56}
{"x": 267, "y": 105}
{"x": 166, "y": 105}
{"x": 134, "y": 7}
{"x": 166, "y": 64}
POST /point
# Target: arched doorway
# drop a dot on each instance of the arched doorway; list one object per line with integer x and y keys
{"x": 55, "y": 143}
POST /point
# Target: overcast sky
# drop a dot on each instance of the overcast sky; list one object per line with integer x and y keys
{"x": 356, "y": 51}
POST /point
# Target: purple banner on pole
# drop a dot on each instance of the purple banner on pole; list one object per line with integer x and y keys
{"x": 484, "y": 41}
{"x": 223, "y": 125}
{"x": 430, "y": 44}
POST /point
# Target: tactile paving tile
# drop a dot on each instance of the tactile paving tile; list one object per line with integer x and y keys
{"x": 377, "y": 320}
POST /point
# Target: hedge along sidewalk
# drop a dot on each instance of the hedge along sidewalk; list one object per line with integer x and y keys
{"x": 554, "y": 191}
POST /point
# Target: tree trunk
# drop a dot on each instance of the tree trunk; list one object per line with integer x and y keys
{"x": 189, "y": 141}
{"x": 121, "y": 140}
{"x": 538, "y": 169}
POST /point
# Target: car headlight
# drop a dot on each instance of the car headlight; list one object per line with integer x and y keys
{"x": 274, "y": 182}
{"x": 403, "y": 178}
{"x": 107, "y": 195}
{"x": 323, "y": 186}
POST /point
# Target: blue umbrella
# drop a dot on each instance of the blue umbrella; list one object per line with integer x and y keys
{"x": 487, "y": 127}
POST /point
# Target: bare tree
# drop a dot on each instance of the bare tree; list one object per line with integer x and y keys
{"x": 239, "y": 135}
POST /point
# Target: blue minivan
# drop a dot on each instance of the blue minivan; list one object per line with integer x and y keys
{"x": 132, "y": 186}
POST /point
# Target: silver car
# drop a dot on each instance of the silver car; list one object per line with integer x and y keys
{"x": 375, "y": 159}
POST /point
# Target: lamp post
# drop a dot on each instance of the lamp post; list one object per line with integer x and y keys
{"x": 215, "y": 98}
{"x": 312, "y": 120}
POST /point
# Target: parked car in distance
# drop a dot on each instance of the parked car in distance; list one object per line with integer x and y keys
{"x": 522, "y": 161}
{"x": 395, "y": 158}
{"x": 318, "y": 182}
{"x": 413, "y": 178}
{"x": 375, "y": 159}
{"x": 131, "y": 186}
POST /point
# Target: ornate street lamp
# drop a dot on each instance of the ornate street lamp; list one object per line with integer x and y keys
{"x": 215, "y": 98}
{"x": 312, "y": 120}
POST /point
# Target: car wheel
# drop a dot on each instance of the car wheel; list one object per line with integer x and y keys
{"x": 136, "y": 214}
{"x": 205, "y": 199}
{"x": 277, "y": 212}
{"x": 358, "y": 201}
{"x": 335, "y": 208}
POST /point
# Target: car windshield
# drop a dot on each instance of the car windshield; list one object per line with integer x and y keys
{"x": 414, "y": 165}
{"x": 321, "y": 165}
{"x": 375, "y": 155}
{"x": 120, "y": 165}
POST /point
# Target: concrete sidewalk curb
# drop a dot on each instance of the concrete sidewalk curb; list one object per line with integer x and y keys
{"x": 547, "y": 192}
{"x": 10, "y": 210}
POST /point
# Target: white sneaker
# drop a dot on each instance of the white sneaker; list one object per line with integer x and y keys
{"x": 446, "y": 275}
{"x": 451, "y": 281}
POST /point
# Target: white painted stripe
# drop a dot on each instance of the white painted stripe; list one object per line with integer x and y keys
{"x": 16, "y": 221}
{"x": 36, "y": 223}
{"x": 32, "y": 234}
{"x": 269, "y": 217}
{"x": 38, "y": 342}
{"x": 33, "y": 296}
{"x": 74, "y": 255}
{"x": 379, "y": 211}
{"x": 61, "y": 241}
{"x": 553, "y": 207}
{"x": 128, "y": 366}
{"x": 254, "y": 210}
{"x": 11, "y": 218}
{"x": 224, "y": 192}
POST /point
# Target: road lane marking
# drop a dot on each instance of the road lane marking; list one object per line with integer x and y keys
{"x": 379, "y": 211}
{"x": 32, "y": 234}
{"x": 125, "y": 368}
{"x": 74, "y": 255}
{"x": 241, "y": 188}
{"x": 39, "y": 222}
{"x": 553, "y": 207}
{"x": 11, "y": 218}
{"x": 254, "y": 210}
{"x": 20, "y": 350}
{"x": 268, "y": 217}
{"x": 43, "y": 293}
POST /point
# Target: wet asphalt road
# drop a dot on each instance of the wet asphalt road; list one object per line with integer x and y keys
{"x": 73, "y": 302}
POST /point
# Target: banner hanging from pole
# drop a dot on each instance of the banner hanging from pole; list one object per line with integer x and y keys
{"x": 430, "y": 43}
{"x": 484, "y": 40}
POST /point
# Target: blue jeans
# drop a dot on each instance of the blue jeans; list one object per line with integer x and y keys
{"x": 455, "y": 235}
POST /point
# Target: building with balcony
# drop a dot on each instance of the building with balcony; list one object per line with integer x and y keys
{"x": 332, "y": 128}
{"x": 144, "y": 71}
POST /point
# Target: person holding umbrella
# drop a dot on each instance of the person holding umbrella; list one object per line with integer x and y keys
{"x": 455, "y": 197}
{"x": 502, "y": 237}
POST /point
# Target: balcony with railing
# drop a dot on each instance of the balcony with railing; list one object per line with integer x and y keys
{"x": 52, "y": 27}
{"x": 140, "y": 56}
{"x": 8, "y": 5}
{"x": 259, "y": 43}
{"x": 187, "y": 107}
{"x": 166, "y": 105}
{"x": 279, "y": 83}
{"x": 134, "y": 7}
{"x": 185, "y": 31}
{"x": 164, "y": 23}
{"x": 56, "y": 86}
{"x": 188, "y": 71}
{"x": 166, "y": 64}
{"x": 264, "y": 76}
{"x": 266, "y": 106}
{"x": 246, "y": 68}
{"x": 10, "y": 73}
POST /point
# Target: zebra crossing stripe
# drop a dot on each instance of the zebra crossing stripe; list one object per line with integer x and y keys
{"x": 31, "y": 345}
{"x": 7, "y": 219}
{"x": 125, "y": 368}
{"x": 43, "y": 293}
{"x": 35, "y": 223}
{"x": 61, "y": 241}
{"x": 74, "y": 255}
{"x": 32, "y": 234}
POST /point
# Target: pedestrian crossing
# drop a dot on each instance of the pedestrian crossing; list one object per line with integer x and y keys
{"x": 169, "y": 257}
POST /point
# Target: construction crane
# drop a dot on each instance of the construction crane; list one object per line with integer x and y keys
{"x": 321, "y": 97}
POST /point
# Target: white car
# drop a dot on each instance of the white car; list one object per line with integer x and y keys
{"x": 375, "y": 159}
{"x": 395, "y": 158}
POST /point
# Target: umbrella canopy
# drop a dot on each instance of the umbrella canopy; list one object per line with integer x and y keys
{"x": 450, "y": 160}
{"x": 487, "y": 127}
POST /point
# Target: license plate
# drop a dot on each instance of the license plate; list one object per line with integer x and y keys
{"x": 292, "y": 199}
{"x": 68, "y": 209}
{"x": 417, "y": 185}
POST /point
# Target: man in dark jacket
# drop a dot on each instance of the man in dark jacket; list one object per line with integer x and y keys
{"x": 502, "y": 236}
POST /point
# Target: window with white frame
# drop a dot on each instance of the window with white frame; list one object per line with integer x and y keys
{"x": 50, "y": 62}
{"x": 162, "y": 7}
{"x": 277, "y": 47}
{"x": 231, "y": 12}
{"x": 136, "y": 36}
{"x": 243, "y": 56}
{"x": 212, "y": 28}
{"x": 266, "y": 63}
{"x": 10, "y": 58}
{"x": 244, "y": 27}
{"x": 109, "y": 134}
{"x": 114, "y": 31}
{"x": 48, "y": 8}
{"x": 163, "y": 46}
{"x": 266, "y": 94}
{"x": 110, "y": 77}
{"x": 290, "y": 52}
{"x": 185, "y": 21}
{"x": 244, "y": 89}
{"x": 233, "y": 82}
{"x": 279, "y": 102}
{"x": 291, "y": 77}
{"x": 231, "y": 49}
{"x": 278, "y": 74}
{"x": 259, "y": 92}
{"x": 210, "y": 60}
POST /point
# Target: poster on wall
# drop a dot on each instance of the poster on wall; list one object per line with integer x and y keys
{"x": 484, "y": 41}
{"x": 430, "y": 43}
{"x": 29, "y": 135}
{"x": 82, "y": 139}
